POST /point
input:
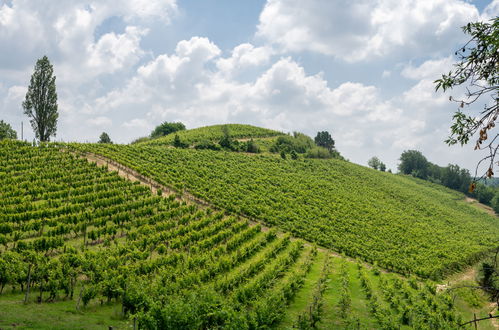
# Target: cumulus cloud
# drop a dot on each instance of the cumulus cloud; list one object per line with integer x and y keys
{"x": 431, "y": 69}
{"x": 243, "y": 56}
{"x": 362, "y": 30}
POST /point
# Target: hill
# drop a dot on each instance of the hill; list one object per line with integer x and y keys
{"x": 78, "y": 235}
{"x": 213, "y": 133}
{"x": 400, "y": 223}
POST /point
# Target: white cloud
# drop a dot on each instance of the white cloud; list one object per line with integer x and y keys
{"x": 431, "y": 69}
{"x": 16, "y": 93}
{"x": 243, "y": 56}
{"x": 137, "y": 123}
{"x": 362, "y": 30}
{"x": 113, "y": 52}
{"x": 491, "y": 11}
{"x": 100, "y": 121}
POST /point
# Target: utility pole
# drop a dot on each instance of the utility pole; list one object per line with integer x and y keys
{"x": 22, "y": 137}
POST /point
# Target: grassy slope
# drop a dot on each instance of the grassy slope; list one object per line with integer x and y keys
{"x": 58, "y": 315}
{"x": 213, "y": 133}
{"x": 399, "y": 222}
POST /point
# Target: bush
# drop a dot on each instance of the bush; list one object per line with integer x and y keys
{"x": 495, "y": 202}
{"x": 484, "y": 194}
{"x": 206, "y": 144}
{"x": 140, "y": 139}
{"x": 177, "y": 143}
{"x": 167, "y": 128}
{"x": 252, "y": 147}
{"x": 318, "y": 152}
{"x": 299, "y": 142}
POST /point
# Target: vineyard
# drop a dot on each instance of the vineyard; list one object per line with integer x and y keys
{"x": 83, "y": 243}
{"x": 214, "y": 133}
{"x": 399, "y": 223}
{"x": 71, "y": 230}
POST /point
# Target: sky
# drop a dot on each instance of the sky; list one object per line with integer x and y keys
{"x": 362, "y": 70}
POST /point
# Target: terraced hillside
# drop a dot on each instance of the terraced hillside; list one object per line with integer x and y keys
{"x": 213, "y": 133}
{"x": 397, "y": 222}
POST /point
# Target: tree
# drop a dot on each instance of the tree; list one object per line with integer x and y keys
{"x": 318, "y": 152}
{"x": 41, "y": 101}
{"x": 374, "y": 163}
{"x": 252, "y": 147}
{"x": 226, "y": 140}
{"x": 299, "y": 142}
{"x": 324, "y": 139}
{"x": 6, "y": 131}
{"x": 167, "y": 128}
{"x": 495, "y": 202}
{"x": 104, "y": 138}
{"x": 414, "y": 163}
{"x": 478, "y": 69}
{"x": 177, "y": 143}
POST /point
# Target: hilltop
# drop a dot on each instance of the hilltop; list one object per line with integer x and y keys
{"x": 212, "y": 133}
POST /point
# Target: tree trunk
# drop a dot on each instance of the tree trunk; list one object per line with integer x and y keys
{"x": 27, "y": 286}
{"x": 79, "y": 298}
{"x": 41, "y": 291}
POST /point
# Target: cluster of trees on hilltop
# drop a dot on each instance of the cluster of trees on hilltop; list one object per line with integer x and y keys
{"x": 298, "y": 143}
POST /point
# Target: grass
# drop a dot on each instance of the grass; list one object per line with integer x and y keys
{"x": 304, "y": 296}
{"x": 359, "y": 313}
{"x": 57, "y": 315}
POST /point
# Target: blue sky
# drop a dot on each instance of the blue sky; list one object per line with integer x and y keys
{"x": 362, "y": 70}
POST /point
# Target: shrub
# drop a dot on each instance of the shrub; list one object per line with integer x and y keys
{"x": 206, "y": 144}
{"x": 318, "y": 152}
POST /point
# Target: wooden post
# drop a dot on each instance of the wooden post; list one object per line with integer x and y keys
{"x": 474, "y": 321}
{"x": 79, "y": 298}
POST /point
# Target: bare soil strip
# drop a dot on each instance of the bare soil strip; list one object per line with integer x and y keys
{"x": 481, "y": 206}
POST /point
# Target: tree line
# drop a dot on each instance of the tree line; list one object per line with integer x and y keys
{"x": 413, "y": 162}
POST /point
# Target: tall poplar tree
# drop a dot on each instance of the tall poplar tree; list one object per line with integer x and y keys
{"x": 41, "y": 101}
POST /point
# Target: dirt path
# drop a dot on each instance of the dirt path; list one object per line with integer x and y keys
{"x": 481, "y": 206}
{"x": 167, "y": 191}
